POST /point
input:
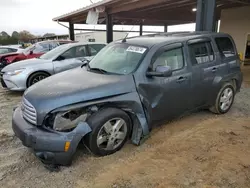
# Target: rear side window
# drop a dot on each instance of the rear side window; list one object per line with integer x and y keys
{"x": 225, "y": 47}
{"x": 201, "y": 53}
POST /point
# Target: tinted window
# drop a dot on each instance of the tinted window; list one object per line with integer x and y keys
{"x": 172, "y": 58}
{"x": 201, "y": 53}
{"x": 95, "y": 48}
{"x": 225, "y": 47}
{"x": 78, "y": 51}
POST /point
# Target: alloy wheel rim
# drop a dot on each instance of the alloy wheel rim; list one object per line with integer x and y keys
{"x": 38, "y": 78}
{"x": 112, "y": 134}
{"x": 226, "y": 99}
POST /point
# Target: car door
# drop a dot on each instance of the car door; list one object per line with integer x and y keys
{"x": 204, "y": 70}
{"x": 70, "y": 59}
{"x": 166, "y": 97}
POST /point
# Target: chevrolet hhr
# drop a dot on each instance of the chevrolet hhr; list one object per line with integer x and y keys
{"x": 128, "y": 87}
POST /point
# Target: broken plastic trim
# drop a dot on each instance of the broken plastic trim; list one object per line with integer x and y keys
{"x": 68, "y": 120}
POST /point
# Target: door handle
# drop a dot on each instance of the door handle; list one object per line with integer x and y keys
{"x": 181, "y": 79}
{"x": 214, "y": 69}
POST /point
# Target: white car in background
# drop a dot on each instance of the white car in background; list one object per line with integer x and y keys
{"x": 11, "y": 49}
{"x": 21, "y": 75}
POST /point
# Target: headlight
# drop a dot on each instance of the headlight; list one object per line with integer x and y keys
{"x": 66, "y": 121}
{"x": 15, "y": 72}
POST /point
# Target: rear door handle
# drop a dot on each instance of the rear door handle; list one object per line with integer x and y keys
{"x": 181, "y": 79}
{"x": 214, "y": 69}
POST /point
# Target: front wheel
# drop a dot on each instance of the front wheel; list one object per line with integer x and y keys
{"x": 224, "y": 100}
{"x": 36, "y": 77}
{"x": 110, "y": 130}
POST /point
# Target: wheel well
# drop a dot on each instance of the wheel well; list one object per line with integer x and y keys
{"x": 132, "y": 116}
{"x": 235, "y": 84}
{"x": 45, "y": 72}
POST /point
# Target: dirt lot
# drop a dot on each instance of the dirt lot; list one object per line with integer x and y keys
{"x": 200, "y": 150}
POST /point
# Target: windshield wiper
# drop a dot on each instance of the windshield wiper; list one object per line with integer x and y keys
{"x": 97, "y": 69}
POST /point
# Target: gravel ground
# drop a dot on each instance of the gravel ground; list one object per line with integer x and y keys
{"x": 199, "y": 150}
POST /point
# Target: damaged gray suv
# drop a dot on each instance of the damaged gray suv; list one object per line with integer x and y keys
{"x": 128, "y": 87}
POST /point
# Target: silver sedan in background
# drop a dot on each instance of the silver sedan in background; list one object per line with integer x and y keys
{"x": 21, "y": 75}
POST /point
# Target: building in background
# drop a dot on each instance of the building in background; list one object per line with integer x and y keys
{"x": 93, "y": 36}
{"x": 97, "y": 36}
{"x": 236, "y": 22}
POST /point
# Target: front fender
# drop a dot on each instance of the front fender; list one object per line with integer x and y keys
{"x": 129, "y": 102}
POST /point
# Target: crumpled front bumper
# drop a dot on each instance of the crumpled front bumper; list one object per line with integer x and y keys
{"x": 48, "y": 145}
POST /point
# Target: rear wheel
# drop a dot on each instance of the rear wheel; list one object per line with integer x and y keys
{"x": 110, "y": 130}
{"x": 224, "y": 100}
{"x": 36, "y": 77}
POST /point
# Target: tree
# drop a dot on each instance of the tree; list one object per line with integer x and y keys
{"x": 25, "y": 36}
{"x": 4, "y": 35}
{"x": 15, "y": 34}
{"x": 49, "y": 35}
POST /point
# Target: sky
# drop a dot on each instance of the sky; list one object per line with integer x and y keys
{"x": 36, "y": 16}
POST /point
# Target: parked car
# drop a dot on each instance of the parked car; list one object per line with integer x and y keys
{"x": 33, "y": 51}
{"x": 10, "y": 49}
{"x": 23, "y": 74}
{"x": 127, "y": 88}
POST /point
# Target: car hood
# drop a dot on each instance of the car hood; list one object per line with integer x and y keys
{"x": 24, "y": 64}
{"x": 75, "y": 86}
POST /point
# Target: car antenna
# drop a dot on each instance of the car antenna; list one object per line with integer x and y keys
{"x": 125, "y": 38}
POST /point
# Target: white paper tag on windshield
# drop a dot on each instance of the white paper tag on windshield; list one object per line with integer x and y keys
{"x": 136, "y": 49}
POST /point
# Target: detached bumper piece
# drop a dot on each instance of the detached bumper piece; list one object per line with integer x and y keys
{"x": 51, "y": 147}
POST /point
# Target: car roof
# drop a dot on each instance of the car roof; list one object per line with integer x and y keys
{"x": 159, "y": 38}
{"x": 82, "y": 43}
{"x": 9, "y": 46}
{"x": 46, "y": 41}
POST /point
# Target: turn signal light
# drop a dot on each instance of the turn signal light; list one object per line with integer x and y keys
{"x": 67, "y": 145}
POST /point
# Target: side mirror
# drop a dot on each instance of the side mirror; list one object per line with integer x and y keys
{"x": 85, "y": 61}
{"x": 161, "y": 71}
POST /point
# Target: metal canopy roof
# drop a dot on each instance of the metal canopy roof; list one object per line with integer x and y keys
{"x": 149, "y": 12}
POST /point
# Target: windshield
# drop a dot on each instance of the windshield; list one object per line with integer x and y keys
{"x": 118, "y": 58}
{"x": 54, "y": 53}
{"x": 30, "y": 48}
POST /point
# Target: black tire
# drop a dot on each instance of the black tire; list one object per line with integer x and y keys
{"x": 216, "y": 108}
{"x": 32, "y": 79}
{"x": 97, "y": 121}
